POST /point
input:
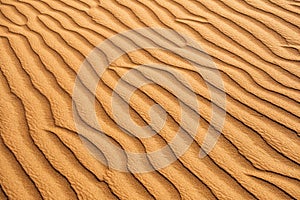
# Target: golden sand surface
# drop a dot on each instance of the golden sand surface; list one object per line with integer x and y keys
{"x": 255, "y": 45}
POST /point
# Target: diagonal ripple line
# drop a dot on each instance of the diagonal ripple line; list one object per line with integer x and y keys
{"x": 100, "y": 59}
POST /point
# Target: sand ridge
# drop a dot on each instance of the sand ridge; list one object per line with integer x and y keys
{"x": 254, "y": 44}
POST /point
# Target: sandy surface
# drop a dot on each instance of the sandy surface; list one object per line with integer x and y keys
{"x": 254, "y": 44}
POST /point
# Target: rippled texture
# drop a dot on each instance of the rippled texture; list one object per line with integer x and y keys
{"x": 255, "y": 45}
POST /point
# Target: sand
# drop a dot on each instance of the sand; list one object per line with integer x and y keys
{"x": 45, "y": 154}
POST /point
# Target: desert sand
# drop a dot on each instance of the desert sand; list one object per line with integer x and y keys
{"x": 255, "y": 45}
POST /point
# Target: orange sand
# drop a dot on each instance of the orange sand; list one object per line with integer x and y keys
{"x": 254, "y": 44}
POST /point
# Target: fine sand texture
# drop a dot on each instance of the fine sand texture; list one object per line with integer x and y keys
{"x": 255, "y": 45}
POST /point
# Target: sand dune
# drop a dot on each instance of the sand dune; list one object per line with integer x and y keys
{"x": 255, "y": 46}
